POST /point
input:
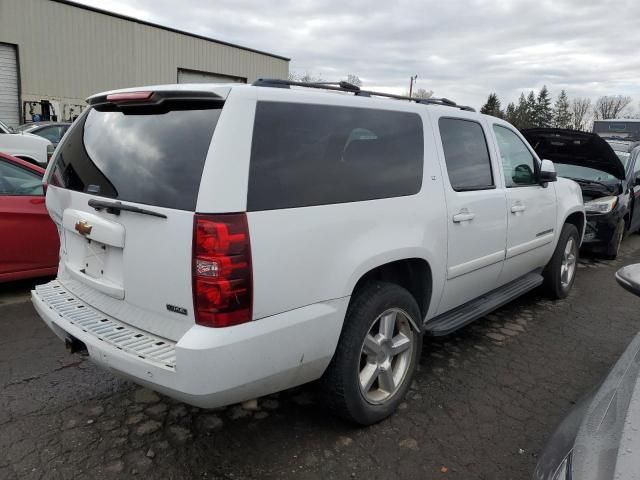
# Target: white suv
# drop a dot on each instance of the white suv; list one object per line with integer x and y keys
{"x": 220, "y": 243}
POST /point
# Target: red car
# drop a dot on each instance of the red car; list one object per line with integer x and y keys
{"x": 29, "y": 243}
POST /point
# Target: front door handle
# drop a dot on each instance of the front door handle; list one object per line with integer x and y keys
{"x": 518, "y": 207}
{"x": 464, "y": 216}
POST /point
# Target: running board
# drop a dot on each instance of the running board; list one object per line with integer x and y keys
{"x": 464, "y": 314}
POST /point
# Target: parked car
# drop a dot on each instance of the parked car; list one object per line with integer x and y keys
{"x": 598, "y": 439}
{"x": 29, "y": 242}
{"x": 607, "y": 179}
{"x": 623, "y": 148}
{"x": 32, "y": 148}
{"x": 311, "y": 236}
{"x": 52, "y": 131}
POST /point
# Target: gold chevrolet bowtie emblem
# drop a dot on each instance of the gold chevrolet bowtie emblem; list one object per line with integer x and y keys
{"x": 83, "y": 227}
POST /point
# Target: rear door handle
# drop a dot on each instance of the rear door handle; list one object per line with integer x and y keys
{"x": 518, "y": 207}
{"x": 463, "y": 216}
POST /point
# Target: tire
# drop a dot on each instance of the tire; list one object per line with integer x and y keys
{"x": 556, "y": 283}
{"x": 613, "y": 247}
{"x": 370, "y": 311}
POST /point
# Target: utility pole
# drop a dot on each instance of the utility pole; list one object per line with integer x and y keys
{"x": 411, "y": 82}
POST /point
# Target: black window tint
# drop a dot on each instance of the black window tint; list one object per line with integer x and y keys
{"x": 305, "y": 155}
{"x": 518, "y": 164}
{"x": 466, "y": 154}
{"x": 146, "y": 156}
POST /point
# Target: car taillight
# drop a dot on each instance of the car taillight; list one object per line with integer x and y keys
{"x": 221, "y": 270}
{"x": 129, "y": 97}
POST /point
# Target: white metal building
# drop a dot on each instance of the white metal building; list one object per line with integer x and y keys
{"x": 55, "y": 53}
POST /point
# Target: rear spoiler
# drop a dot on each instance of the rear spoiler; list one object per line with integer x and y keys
{"x": 148, "y": 98}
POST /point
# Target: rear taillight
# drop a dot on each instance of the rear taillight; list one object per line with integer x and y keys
{"x": 221, "y": 270}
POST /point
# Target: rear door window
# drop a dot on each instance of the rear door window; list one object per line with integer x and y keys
{"x": 149, "y": 156}
{"x": 305, "y": 155}
{"x": 466, "y": 154}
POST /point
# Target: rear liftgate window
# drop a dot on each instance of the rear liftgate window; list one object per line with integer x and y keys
{"x": 305, "y": 155}
{"x": 151, "y": 155}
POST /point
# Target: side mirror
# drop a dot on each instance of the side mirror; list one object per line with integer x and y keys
{"x": 547, "y": 172}
{"x": 637, "y": 181}
{"x": 629, "y": 278}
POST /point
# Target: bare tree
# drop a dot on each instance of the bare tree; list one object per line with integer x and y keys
{"x": 354, "y": 80}
{"x": 611, "y": 106}
{"x": 420, "y": 93}
{"x": 580, "y": 113}
{"x": 306, "y": 77}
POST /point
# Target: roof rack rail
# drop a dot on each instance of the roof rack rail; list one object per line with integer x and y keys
{"x": 350, "y": 88}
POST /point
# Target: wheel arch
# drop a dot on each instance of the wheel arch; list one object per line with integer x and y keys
{"x": 413, "y": 273}
{"x": 579, "y": 220}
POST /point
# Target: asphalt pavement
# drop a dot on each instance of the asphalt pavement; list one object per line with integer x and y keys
{"x": 482, "y": 406}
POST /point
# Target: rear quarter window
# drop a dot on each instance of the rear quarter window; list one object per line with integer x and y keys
{"x": 304, "y": 155}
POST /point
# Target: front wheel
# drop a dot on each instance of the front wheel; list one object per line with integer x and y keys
{"x": 560, "y": 272}
{"x": 376, "y": 356}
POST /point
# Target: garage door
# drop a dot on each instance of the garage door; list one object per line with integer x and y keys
{"x": 9, "y": 103}
{"x": 193, "y": 76}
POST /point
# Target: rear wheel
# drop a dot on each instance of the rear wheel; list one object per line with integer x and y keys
{"x": 377, "y": 354}
{"x": 560, "y": 272}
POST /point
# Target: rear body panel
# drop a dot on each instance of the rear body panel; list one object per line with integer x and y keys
{"x": 144, "y": 266}
{"x": 133, "y": 267}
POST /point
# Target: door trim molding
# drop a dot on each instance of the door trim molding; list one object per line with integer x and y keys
{"x": 475, "y": 264}
{"x": 537, "y": 242}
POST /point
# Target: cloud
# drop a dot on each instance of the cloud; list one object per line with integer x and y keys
{"x": 462, "y": 49}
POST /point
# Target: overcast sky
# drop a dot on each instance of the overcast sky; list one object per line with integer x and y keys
{"x": 460, "y": 49}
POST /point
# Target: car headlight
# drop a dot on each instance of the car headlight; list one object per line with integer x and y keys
{"x": 601, "y": 205}
{"x": 564, "y": 469}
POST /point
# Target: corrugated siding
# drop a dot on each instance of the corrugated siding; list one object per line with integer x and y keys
{"x": 9, "y": 102}
{"x": 69, "y": 52}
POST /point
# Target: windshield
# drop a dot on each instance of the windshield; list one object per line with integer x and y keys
{"x": 144, "y": 156}
{"x": 584, "y": 173}
{"x": 23, "y": 128}
{"x": 624, "y": 157}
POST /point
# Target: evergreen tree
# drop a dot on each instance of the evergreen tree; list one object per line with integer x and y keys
{"x": 562, "y": 112}
{"x": 522, "y": 113}
{"x": 527, "y": 110}
{"x": 511, "y": 114}
{"x": 492, "y": 107}
{"x": 543, "y": 114}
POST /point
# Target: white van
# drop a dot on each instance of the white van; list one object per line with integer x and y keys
{"x": 220, "y": 243}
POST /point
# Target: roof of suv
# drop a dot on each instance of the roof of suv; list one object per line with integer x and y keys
{"x": 222, "y": 90}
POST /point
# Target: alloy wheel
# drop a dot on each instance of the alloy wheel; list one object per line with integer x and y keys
{"x": 385, "y": 356}
{"x": 568, "y": 265}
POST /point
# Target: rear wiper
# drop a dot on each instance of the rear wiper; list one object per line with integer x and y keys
{"x": 116, "y": 207}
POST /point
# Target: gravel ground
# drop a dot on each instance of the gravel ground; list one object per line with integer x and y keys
{"x": 482, "y": 406}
